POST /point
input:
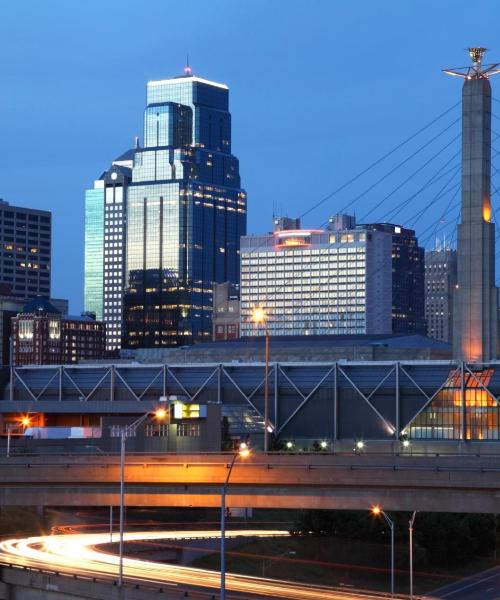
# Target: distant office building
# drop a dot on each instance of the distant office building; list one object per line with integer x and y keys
{"x": 25, "y": 244}
{"x": 11, "y": 306}
{"x": 186, "y": 213}
{"x": 41, "y": 335}
{"x": 105, "y": 236}
{"x": 226, "y": 315}
{"x": 440, "y": 288}
{"x": 408, "y": 296}
{"x": 314, "y": 282}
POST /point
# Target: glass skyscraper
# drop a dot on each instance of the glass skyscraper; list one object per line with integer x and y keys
{"x": 186, "y": 212}
{"x": 105, "y": 235}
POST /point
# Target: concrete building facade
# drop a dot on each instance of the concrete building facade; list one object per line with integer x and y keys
{"x": 440, "y": 290}
{"x": 25, "y": 250}
{"x": 476, "y": 306}
{"x": 315, "y": 282}
{"x": 226, "y": 315}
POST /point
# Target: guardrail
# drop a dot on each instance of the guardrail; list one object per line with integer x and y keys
{"x": 158, "y": 589}
{"x": 184, "y": 593}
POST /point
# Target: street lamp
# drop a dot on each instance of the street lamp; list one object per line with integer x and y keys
{"x": 24, "y": 422}
{"x": 358, "y": 447}
{"x": 243, "y": 452}
{"x": 259, "y": 317}
{"x": 125, "y": 432}
{"x": 377, "y": 511}
{"x": 410, "y": 531}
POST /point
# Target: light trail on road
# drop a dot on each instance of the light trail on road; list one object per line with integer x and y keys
{"x": 78, "y": 554}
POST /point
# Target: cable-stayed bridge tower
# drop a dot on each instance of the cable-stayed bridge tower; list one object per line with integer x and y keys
{"x": 476, "y": 301}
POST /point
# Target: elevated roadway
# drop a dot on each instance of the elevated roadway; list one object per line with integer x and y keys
{"x": 426, "y": 483}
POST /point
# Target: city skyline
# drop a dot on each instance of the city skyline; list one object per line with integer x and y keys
{"x": 270, "y": 91}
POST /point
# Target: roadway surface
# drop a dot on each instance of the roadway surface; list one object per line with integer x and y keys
{"x": 482, "y": 586}
{"x": 79, "y": 554}
{"x": 458, "y": 483}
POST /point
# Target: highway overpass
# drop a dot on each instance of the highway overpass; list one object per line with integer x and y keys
{"x": 325, "y": 481}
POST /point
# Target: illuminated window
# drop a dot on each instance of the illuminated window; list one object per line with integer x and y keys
{"x": 54, "y": 330}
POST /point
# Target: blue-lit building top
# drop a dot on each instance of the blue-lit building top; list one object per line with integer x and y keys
{"x": 186, "y": 212}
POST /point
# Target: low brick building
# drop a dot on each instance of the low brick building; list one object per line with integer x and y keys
{"x": 41, "y": 335}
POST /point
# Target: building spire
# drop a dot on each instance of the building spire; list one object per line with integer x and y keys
{"x": 188, "y": 71}
{"x": 477, "y": 70}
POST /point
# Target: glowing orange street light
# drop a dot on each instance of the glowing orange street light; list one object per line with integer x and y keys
{"x": 161, "y": 413}
{"x": 243, "y": 452}
{"x": 377, "y": 511}
{"x": 259, "y": 317}
{"x": 25, "y": 421}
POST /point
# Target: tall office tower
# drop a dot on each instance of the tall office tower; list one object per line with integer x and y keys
{"x": 25, "y": 242}
{"x": 440, "y": 289}
{"x": 476, "y": 306}
{"x": 314, "y": 282}
{"x": 186, "y": 213}
{"x": 105, "y": 236}
{"x": 408, "y": 295}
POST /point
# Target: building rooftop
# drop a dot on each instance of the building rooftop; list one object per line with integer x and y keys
{"x": 40, "y": 305}
{"x": 128, "y": 155}
{"x": 331, "y": 341}
{"x": 327, "y": 348}
{"x": 184, "y": 79}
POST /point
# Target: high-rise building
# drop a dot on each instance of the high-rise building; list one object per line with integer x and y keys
{"x": 186, "y": 213}
{"x": 314, "y": 282}
{"x": 105, "y": 236}
{"x": 408, "y": 295}
{"x": 25, "y": 243}
{"x": 440, "y": 289}
{"x": 475, "y": 334}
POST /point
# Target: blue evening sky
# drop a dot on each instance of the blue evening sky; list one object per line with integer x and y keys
{"x": 319, "y": 89}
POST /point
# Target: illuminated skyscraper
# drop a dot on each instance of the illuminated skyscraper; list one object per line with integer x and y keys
{"x": 186, "y": 213}
{"x": 105, "y": 235}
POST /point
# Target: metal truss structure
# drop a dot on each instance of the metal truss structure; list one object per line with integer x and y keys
{"x": 310, "y": 400}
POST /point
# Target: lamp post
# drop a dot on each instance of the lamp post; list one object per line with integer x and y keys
{"x": 25, "y": 422}
{"x": 9, "y": 431}
{"x": 377, "y": 511}
{"x": 243, "y": 452}
{"x": 125, "y": 432}
{"x": 260, "y": 318}
{"x": 410, "y": 531}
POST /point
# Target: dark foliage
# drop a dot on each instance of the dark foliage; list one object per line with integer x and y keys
{"x": 445, "y": 538}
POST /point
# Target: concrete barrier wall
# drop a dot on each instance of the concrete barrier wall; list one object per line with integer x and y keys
{"x": 20, "y": 584}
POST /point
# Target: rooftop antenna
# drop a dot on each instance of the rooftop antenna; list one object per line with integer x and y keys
{"x": 188, "y": 71}
{"x": 136, "y": 142}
